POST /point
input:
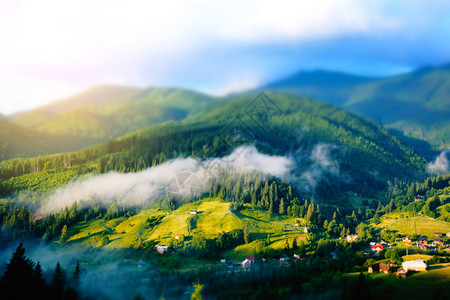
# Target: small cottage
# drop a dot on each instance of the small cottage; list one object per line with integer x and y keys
{"x": 423, "y": 240}
{"x": 193, "y": 212}
{"x": 401, "y": 273}
{"x": 141, "y": 264}
{"x": 373, "y": 268}
{"x": 161, "y": 249}
{"x": 438, "y": 242}
{"x": 414, "y": 265}
{"x": 385, "y": 268}
{"x": 284, "y": 258}
{"x": 377, "y": 248}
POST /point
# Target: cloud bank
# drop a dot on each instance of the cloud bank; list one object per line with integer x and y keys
{"x": 441, "y": 164}
{"x": 178, "y": 176}
{"x": 322, "y": 165}
{"x": 51, "y": 49}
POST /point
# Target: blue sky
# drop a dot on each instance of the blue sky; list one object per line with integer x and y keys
{"x": 52, "y": 49}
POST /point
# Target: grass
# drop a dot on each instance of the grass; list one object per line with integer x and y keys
{"x": 213, "y": 215}
{"x": 417, "y": 257}
{"x": 420, "y": 285}
{"x": 425, "y": 225}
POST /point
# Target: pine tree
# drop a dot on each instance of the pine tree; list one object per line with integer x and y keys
{"x": 310, "y": 214}
{"x": 76, "y": 274}
{"x": 281, "y": 209}
{"x": 246, "y": 234}
{"x": 58, "y": 282}
{"x": 294, "y": 244}
{"x": 18, "y": 282}
{"x": 64, "y": 234}
{"x": 268, "y": 239}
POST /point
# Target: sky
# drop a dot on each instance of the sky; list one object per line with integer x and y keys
{"x": 52, "y": 49}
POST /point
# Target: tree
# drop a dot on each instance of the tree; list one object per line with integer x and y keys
{"x": 197, "y": 295}
{"x": 281, "y": 209}
{"x": 19, "y": 279}
{"x": 76, "y": 274}
{"x": 267, "y": 243}
{"x": 376, "y": 219}
{"x": 392, "y": 254}
{"x": 294, "y": 244}
{"x": 246, "y": 233}
{"x": 58, "y": 281}
{"x": 64, "y": 234}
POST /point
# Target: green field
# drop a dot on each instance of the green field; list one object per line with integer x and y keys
{"x": 214, "y": 216}
{"x": 407, "y": 226}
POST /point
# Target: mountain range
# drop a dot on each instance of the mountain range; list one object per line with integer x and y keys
{"x": 417, "y": 103}
{"x": 414, "y": 106}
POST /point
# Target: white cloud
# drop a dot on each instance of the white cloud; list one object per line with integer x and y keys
{"x": 441, "y": 164}
{"x": 136, "y": 189}
{"x": 50, "y": 48}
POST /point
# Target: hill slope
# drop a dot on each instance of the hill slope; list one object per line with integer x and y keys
{"x": 107, "y": 112}
{"x": 16, "y": 141}
{"x": 334, "y": 150}
{"x": 415, "y": 103}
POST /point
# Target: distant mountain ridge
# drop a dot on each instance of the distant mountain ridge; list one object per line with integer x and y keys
{"x": 108, "y": 111}
{"x": 415, "y": 103}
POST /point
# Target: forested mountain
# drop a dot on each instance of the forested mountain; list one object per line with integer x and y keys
{"x": 415, "y": 103}
{"x": 107, "y": 112}
{"x": 350, "y": 151}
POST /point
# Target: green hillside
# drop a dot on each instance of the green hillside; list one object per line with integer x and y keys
{"x": 107, "y": 112}
{"x": 214, "y": 217}
{"x": 17, "y": 141}
{"x": 425, "y": 226}
{"x": 364, "y": 152}
{"x": 415, "y": 103}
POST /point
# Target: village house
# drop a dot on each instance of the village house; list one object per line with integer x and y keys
{"x": 223, "y": 260}
{"x": 423, "y": 240}
{"x": 300, "y": 257}
{"x": 248, "y": 262}
{"x": 448, "y": 234}
{"x": 373, "y": 268}
{"x": 401, "y": 273}
{"x": 141, "y": 264}
{"x": 414, "y": 265}
{"x": 418, "y": 198}
{"x": 193, "y": 212}
{"x": 161, "y": 249}
{"x": 351, "y": 237}
{"x": 406, "y": 239}
{"x": 438, "y": 242}
{"x": 385, "y": 268}
{"x": 423, "y": 247}
{"x": 438, "y": 234}
{"x": 284, "y": 258}
{"x": 377, "y": 248}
